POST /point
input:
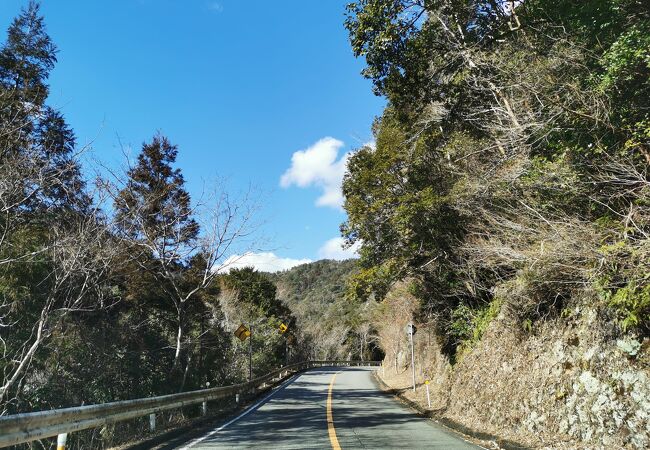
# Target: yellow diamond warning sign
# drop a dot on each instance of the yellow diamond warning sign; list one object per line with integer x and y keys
{"x": 283, "y": 328}
{"x": 242, "y": 332}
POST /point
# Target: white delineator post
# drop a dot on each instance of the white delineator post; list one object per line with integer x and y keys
{"x": 61, "y": 440}
{"x": 152, "y": 422}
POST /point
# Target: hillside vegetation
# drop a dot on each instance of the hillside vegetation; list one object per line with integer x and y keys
{"x": 511, "y": 165}
{"x": 508, "y": 196}
{"x": 331, "y": 324}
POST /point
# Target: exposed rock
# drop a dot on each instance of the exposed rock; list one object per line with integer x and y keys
{"x": 561, "y": 387}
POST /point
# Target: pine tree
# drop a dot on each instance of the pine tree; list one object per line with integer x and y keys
{"x": 155, "y": 218}
{"x": 154, "y": 206}
{"x": 48, "y": 233}
{"x": 28, "y": 56}
{"x": 36, "y": 142}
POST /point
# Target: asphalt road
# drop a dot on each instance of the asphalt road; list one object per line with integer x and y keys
{"x": 328, "y": 408}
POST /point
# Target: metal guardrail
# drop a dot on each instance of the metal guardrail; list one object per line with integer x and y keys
{"x": 27, "y": 427}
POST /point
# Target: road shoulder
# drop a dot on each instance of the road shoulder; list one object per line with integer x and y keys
{"x": 482, "y": 439}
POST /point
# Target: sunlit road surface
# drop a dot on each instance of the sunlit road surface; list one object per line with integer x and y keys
{"x": 328, "y": 408}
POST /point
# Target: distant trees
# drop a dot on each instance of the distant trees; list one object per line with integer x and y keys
{"x": 250, "y": 297}
{"x": 255, "y": 290}
{"x": 331, "y": 324}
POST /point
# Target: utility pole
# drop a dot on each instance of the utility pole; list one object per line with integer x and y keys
{"x": 411, "y": 331}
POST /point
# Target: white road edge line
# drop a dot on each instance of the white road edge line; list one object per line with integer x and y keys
{"x": 245, "y": 413}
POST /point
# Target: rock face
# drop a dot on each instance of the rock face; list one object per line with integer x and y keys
{"x": 569, "y": 384}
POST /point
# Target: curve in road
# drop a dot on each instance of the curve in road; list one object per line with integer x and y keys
{"x": 329, "y": 408}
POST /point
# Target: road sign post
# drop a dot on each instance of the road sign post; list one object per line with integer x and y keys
{"x": 411, "y": 331}
{"x": 250, "y": 355}
{"x": 286, "y": 352}
{"x": 282, "y": 329}
{"x": 242, "y": 334}
{"x": 426, "y": 383}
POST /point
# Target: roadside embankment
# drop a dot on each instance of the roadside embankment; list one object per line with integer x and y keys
{"x": 567, "y": 385}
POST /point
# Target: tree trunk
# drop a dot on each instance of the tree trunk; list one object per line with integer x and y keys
{"x": 179, "y": 338}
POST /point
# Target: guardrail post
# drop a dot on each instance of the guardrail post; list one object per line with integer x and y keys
{"x": 61, "y": 440}
{"x": 61, "y": 424}
{"x": 204, "y": 407}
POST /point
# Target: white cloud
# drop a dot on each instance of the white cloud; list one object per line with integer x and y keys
{"x": 264, "y": 262}
{"x": 215, "y": 6}
{"x": 318, "y": 166}
{"x": 333, "y": 249}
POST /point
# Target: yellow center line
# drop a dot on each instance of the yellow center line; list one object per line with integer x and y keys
{"x": 330, "y": 418}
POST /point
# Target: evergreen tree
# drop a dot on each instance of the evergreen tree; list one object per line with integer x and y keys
{"x": 36, "y": 142}
{"x": 45, "y": 219}
{"x": 28, "y": 57}
{"x": 154, "y": 214}
{"x": 256, "y": 290}
{"x": 154, "y": 206}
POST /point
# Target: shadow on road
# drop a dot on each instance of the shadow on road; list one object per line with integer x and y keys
{"x": 295, "y": 417}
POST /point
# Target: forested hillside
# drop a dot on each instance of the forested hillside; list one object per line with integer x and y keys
{"x": 507, "y": 201}
{"x": 332, "y": 324}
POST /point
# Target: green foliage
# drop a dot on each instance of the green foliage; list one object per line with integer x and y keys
{"x": 633, "y": 304}
{"x": 154, "y": 205}
{"x": 330, "y": 321}
{"x": 630, "y": 302}
{"x": 397, "y": 205}
{"x": 316, "y": 284}
{"x": 251, "y": 298}
{"x": 385, "y": 32}
{"x": 469, "y": 324}
{"x": 624, "y": 284}
{"x": 628, "y": 58}
{"x": 43, "y": 202}
{"x": 28, "y": 56}
{"x": 255, "y": 290}
{"x": 512, "y": 158}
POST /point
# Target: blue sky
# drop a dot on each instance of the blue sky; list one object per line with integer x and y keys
{"x": 240, "y": 87}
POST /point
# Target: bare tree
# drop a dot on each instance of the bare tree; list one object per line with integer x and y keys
{"x": 167, "y": 236}
{"x": 79, "y": 257}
